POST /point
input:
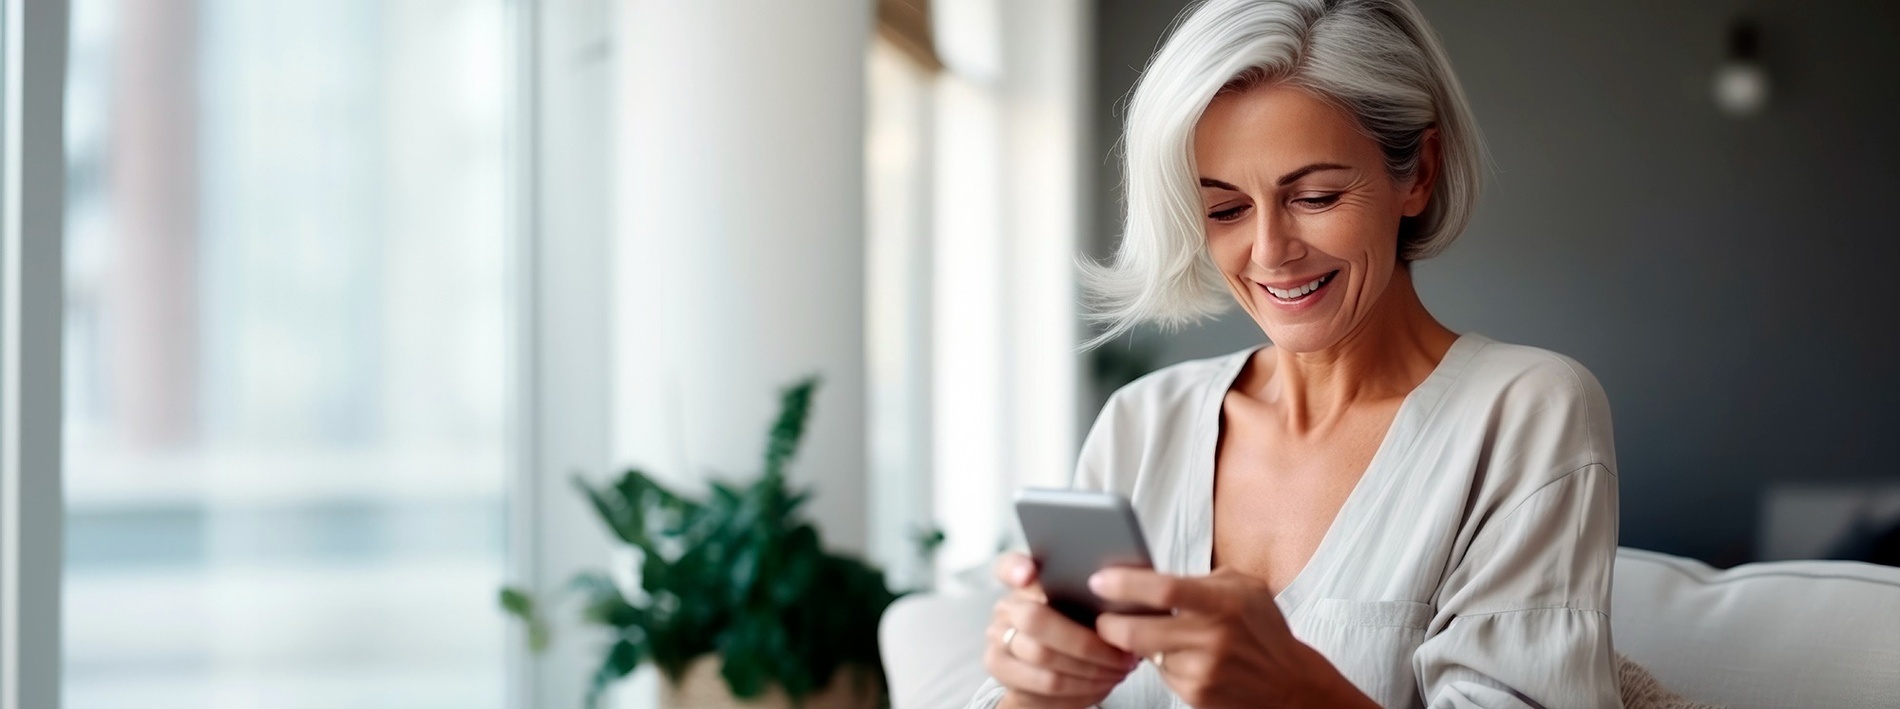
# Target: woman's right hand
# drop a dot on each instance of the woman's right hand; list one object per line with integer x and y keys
{"x": 1049, "y": 661}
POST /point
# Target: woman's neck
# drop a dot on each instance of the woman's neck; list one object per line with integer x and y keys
{"x": 1385, "y": 357}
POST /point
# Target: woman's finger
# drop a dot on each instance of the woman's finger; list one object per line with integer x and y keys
{"x": 1059, "y": 634}
{"x": 1023, "y": 647}
{"x": 1015, "y": 570}
{"x": 1019, "y": 675}
{"x": 1157, "y": 590}
{"x": 1145, "y": 635}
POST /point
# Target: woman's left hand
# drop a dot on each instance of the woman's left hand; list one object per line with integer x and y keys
{"x": 1226, "y": 644}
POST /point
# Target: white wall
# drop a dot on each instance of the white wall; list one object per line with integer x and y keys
{"x": 739, "y": 241}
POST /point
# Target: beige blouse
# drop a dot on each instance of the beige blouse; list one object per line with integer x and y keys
{"x": 1470, "y": 566}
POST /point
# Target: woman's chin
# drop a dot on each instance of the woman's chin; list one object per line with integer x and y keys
{"x": 1300, "y": 338}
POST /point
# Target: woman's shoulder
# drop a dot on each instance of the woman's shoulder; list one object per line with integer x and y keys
{"x": 1535, "y": 398}
{"x": 1527, "y": 376}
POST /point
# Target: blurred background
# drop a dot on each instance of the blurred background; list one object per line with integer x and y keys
{"x": 352, "y": 287}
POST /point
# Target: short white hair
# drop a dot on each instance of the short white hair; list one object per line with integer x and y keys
{"x": 1376, "y": 59}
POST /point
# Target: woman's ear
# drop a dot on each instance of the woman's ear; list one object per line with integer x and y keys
{"x": 1418, "y": 194}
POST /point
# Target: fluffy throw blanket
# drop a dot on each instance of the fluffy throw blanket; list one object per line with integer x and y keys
{"x": 1641, "y": 690}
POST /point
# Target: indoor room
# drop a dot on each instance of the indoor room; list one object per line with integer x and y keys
{"x": 628, "y": 354}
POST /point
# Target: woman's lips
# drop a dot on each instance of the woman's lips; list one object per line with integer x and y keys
{"x": 1301, "y": 293}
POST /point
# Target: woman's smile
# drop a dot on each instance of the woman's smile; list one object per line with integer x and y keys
{"x": 1298, "y": 295}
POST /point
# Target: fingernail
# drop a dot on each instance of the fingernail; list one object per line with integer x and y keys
{"x": 1019, "y": 575}
{"x": 1097, "y": 583}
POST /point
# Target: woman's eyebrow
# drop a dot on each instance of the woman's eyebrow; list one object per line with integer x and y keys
{"x": 1309, "y": 169}
{"x": 1284, "y": 179}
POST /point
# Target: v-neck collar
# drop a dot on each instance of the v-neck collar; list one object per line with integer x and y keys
{"x": 1198, "y": 504}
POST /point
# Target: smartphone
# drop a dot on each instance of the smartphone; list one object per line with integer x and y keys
{"x": 1073, "y": 534}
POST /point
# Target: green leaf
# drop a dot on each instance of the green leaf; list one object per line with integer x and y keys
{"x": 928, "y": 540}
{"x": 800, "y": 566}
{"x": 787, "y": 431}
{"x": 662, "y": 511}
{"x": 746, "y": 676}
{"x": 621, "y": 660}
{"x": 725, "y": 497}
{"x": 519, "y": 604}
{"x": 794, "y": 502}
{"x": 620, "y": 517}
{"x": 655, "y": 573}
{"x": 640, "y": 511}
{"x": 744, "y": 572}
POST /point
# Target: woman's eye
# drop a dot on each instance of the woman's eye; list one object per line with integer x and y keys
{"x": 1318, "y": 202}
{"x": 1227, "y": 215}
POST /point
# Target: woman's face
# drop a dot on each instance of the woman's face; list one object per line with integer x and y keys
{"x": 1302, "y": 217}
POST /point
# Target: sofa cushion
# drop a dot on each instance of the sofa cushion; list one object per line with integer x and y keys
{"x": 1773, "y": 634}
{"x": 932, "y": 645}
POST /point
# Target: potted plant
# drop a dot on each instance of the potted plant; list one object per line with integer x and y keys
{"x": 737, "y": 598}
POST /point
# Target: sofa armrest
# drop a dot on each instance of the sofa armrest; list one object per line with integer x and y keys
{"x": 932, "y": 646}
{"x": 1772, "y": 634}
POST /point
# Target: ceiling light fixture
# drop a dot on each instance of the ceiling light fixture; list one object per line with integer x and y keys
{"x": 1741, "y": 82}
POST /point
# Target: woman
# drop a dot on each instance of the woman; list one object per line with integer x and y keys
{"x": 1373, "y": 510}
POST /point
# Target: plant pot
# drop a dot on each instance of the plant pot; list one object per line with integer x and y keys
{"x": 702, "y": 687}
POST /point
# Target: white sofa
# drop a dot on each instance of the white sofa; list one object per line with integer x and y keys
{"x": 1774, "y": 634}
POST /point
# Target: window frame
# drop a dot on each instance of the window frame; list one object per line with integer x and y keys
{"x": 32, "y": 276}
{"x": 562, "y": 327}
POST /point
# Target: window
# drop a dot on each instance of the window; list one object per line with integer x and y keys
{"x": 287, "y": 355}
{"x": 897, "y": 308}
{"x": 1006, "y": 167}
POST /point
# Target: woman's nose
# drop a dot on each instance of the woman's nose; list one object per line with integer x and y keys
{"x": 1274, "y": 242}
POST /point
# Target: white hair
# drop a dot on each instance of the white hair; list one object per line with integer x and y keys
{"x": 1376, "y": 59}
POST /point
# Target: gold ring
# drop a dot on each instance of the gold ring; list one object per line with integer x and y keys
{"x": 1009, "y": 635}
{"x": 1158, "y": 658}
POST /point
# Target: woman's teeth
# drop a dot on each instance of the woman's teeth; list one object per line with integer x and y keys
{"x": 1301, "y": 291}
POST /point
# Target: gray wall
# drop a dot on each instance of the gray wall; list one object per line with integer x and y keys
{"x": 1731, "y": 282}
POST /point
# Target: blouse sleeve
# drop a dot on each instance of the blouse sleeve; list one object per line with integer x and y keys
{"x": 987, "y": 696}
{"x": 1523, "y": 613}
{"x": 1523, "y": 620}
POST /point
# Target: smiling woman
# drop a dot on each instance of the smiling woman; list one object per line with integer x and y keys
{"x": 1393, "y": 99}
{"x": 1298, "y": 198}
{"x": 1372, "y": 509}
